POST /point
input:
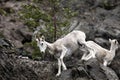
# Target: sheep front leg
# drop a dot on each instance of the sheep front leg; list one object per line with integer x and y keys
{"x": 61, "y": 58}
{"x": 59, "y": 67}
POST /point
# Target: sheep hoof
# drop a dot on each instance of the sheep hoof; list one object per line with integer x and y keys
{"x": 83, "y": 59}
{"x": 58, "y": 74}
{"x": 64, "y": 68}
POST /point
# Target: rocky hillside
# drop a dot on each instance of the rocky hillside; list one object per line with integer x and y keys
{"x": 99, "y": 19}
{"x": 14, "y": 67}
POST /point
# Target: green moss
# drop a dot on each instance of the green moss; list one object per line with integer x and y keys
{"x": 2, "y": 12}
{"x": 1, "y": 34}
{"x": 6, "y": 11}
{"x": 35, "y": 52}
{"x": 31, "y": 15}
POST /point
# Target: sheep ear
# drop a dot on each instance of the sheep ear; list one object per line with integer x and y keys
{"x": 36, "y": 39}
{"x": 43, "y": 37}
{"x": 116, "y": 42}
{"x": 110, "y": 40}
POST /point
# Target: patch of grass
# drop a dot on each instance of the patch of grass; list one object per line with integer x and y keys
{"x": 1, "y": 34}
{"x": 6, "y": 11}
{"x": 2, "y": 12}
{"x": 35, "y": 52}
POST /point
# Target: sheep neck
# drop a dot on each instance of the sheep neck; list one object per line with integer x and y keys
{"x": 112, "y": 49}
{"x": 50, "y": 46}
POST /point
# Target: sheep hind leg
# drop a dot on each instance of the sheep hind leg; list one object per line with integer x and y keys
{"x": 83, "y": 57}
{"x": 105, "y": 63}
{"x": 109, "y": 62}
{"x": 88, "y": 57}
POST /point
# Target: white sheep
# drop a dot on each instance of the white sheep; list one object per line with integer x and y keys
{"x": 63, "y": 46}
{"x": 101, "y": 53}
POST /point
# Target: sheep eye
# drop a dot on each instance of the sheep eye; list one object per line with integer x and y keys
{"x": 41, "y": 43}
{"x": 116, "y": 42}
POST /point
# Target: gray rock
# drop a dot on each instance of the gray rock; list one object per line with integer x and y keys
{"x": 111, "y": 75}
{"x": 99, "y": 72}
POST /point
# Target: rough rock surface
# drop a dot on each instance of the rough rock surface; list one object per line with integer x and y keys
{"x": 13, "y": 67}
{"x": 16, "y": 32}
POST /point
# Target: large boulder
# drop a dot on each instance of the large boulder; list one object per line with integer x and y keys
{"x": 99, "y": 72}
{"x": 15, "y": 32}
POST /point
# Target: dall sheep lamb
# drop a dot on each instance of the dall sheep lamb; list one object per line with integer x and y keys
{"x": 101, "y": 53}
{"x": 63, "y": 46}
